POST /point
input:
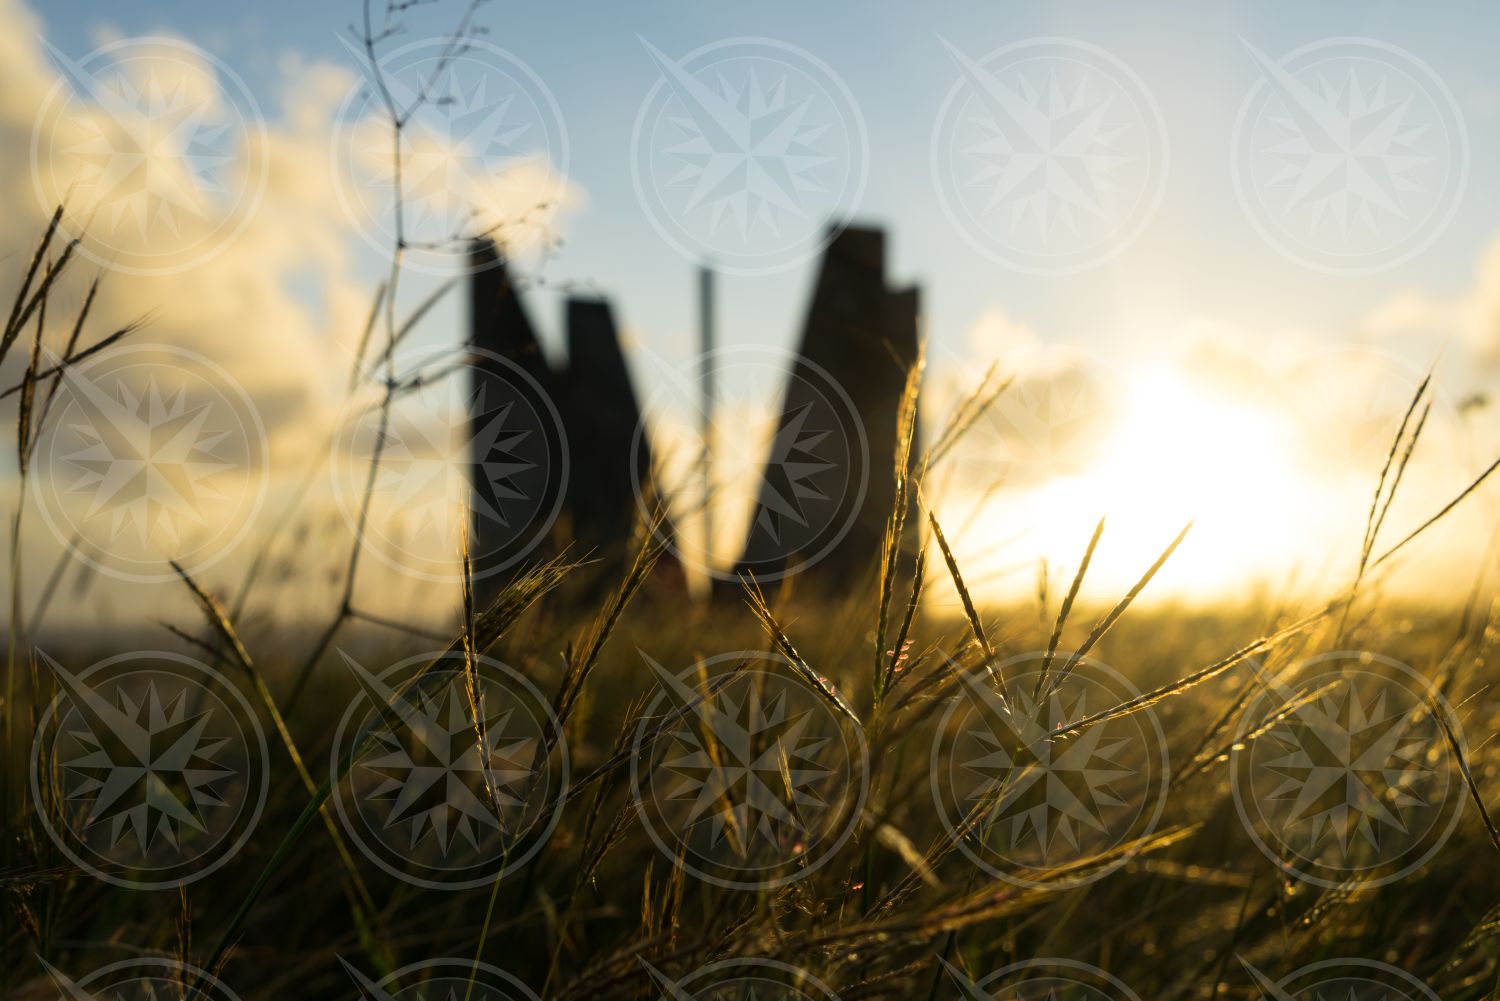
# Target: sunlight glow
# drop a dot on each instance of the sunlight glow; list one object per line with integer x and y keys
{"x": 1177, "y": 453}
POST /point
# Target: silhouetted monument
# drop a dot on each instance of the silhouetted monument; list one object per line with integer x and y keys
{"x": 601, "y": 415}
{"x": 498, "y": 320}
{"x": 827, "y": 489}
{"x": 518, "y": 458}
{"x": 591, "y": 406}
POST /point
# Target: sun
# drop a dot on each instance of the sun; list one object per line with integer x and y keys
{"x": 1176, "y": 450}
{"x": 1187, "y": 442}
{"x": 1183, "y": 452}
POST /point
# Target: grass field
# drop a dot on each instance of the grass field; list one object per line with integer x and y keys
{"x": 760, "y": 796}
{"x": 576, "y": 791}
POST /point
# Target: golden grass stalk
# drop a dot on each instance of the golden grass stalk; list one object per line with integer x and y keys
{"x": 895, "y": 525}
{"x": 1199, "y": 762}
{"x": 1446, "y": 509}
{"x": 27, "y": 301}
{"x": 1067, "y": 608}
{"x": 580, "y": 666}
{"x": 970, "y": 612}
{"x": 897, "y": 652}
{"x": 1372, "y": 519}
{"x": 71, "y": 358}
{"x": 489, "y": 626}
{"x": 967, "y": 414}
{"x": 1113, "y": 616}
{"x": 756, "y": 599}
{"x": 1193, "y": 680}
{"x": 213, "y": 612}
{"x": 1463, "y": 766}
{"x": 670, "y": 719}
{"x": 1379, "y": 509}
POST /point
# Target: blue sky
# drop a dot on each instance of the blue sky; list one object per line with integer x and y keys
{"x": 1198, "y": 256}
{"x": 1205, "y": 325}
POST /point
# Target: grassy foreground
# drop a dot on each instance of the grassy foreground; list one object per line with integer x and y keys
{"x": 857, "y": 797}
{"x": 1194, "y": 898}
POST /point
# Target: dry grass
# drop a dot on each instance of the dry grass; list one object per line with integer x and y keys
{"x": 603, "y": 913}
{"x": 899, "y": 910}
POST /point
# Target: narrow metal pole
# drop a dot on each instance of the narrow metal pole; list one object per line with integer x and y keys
{"x": 706, "y": 378}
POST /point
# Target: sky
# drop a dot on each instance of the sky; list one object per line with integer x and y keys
{"x": 1189, "y": 254}
{"x": 1198, "y": 256}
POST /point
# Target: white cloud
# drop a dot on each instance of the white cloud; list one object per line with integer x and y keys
{"x": 1273, "y": 440}
{"x": 1472, "y": 317}
{"x": 271, "y": 288}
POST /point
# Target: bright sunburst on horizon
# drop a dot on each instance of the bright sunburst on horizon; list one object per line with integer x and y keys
{"x": 1251, "y": 473}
